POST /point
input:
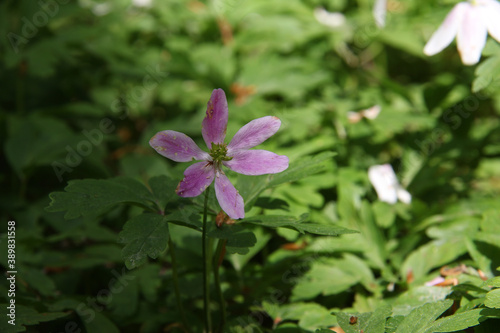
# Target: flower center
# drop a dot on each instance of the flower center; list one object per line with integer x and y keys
{"x": 219, "y": 153}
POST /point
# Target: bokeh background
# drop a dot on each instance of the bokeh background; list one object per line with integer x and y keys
{"x": 85, "y": 85}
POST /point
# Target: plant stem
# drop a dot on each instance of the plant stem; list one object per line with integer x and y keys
{"x": 219, "y": 253}
{"x": 206, "y": 268}
{"x": 175, "y": 278}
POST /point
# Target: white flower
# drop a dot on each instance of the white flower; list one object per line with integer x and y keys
{"x": 331, "y": 20}
{"x": 386, "y": 184}
{"x": 470, "y": 22}
{"x": 370, "y": 113}
{"x": 379, "y": 12}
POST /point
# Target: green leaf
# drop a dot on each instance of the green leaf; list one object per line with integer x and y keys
{"x": 384, "y": 214}
{"x": 239, "y": 239}
{"x": 35, "y": 140}
{"x": 326, "y": 277}
{"x": 371, "y": 322}
{"x": 93, "y": 197}
{"x": 36, "y": 279}
{"x": 373, "y": 235}
{"x": 240, "y": 260}
{"x": 376, "y": 322}
{"x": 494, "y": 282}
{"x": 251, "y": 188}
{"x": 393, "y": 323}
{"x": 145, "y": 235}
{"x": 278, "y": 221}
{"x": 456, "y": 322}
{"x": 353, "y": 322}
{"x": 416, "y": 297}
{"x": 487, "y": 73}
{"x": 422, "y": 316}
{"x": 431, "y": 255}
{"x": 301, "y": 169}
{"x": 25, "y": 316}
{"x": 163, "y": 189}
{"x": 186, "y": 217}
{"x": 491, "y": 221}
{"x": 493, "y": 299}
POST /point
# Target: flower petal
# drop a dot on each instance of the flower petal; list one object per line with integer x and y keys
{"x": 177, "y": 146}
{"x": 254, "y": 133}
{"x": 214, "y": 125}
{"x": 385, "y": 182}
{"x": 373, "y": 112}
{"x": 379, "y": 12}
{"x": 257, "y": 162}
{"x": 197, "y": 178}
{"x": 491, "y": 13}
{"x": 403, "y": 195}
{"x": 446, "y": 32}
{"x": 354, "y": 117}
{"x": 331, "y": 20}
{"x": 229, "y": 199}
{"x": 471, "y": 36}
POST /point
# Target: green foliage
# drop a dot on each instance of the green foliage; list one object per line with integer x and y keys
{"x": 102, "y": 239}
{"x": 145, "y": 235}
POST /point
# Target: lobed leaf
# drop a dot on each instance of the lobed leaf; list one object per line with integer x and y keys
{"x": 145, "y": 235}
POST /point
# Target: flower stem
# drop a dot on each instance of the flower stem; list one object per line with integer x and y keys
{"x": 175, "y": 279}
{"x": 206, "y": 268}
{"x": 219, "y": 254}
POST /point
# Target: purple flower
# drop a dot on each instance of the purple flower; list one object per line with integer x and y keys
{"x": 470, "y": 22}
{"x": 235, "y": 155}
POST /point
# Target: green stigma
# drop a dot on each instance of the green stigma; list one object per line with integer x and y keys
{"x": 219, "y": 152}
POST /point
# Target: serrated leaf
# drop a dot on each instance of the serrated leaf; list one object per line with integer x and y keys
{"x": 145, "y": 235}
{"x": 279, "y": 221}
{"x": 422, "y": 315}
{"x": 92, "y": 197}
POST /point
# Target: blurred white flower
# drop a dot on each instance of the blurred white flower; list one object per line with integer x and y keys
{"x": 332, "y": 20}
{"x": 101, "y": 9}
{"x": 370, "y": 113}
{"x": 386, "y": 184}
{"x": 379, "y": 12}
{"x": 142, "y": 3}
{"x": 470, "y": 22}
